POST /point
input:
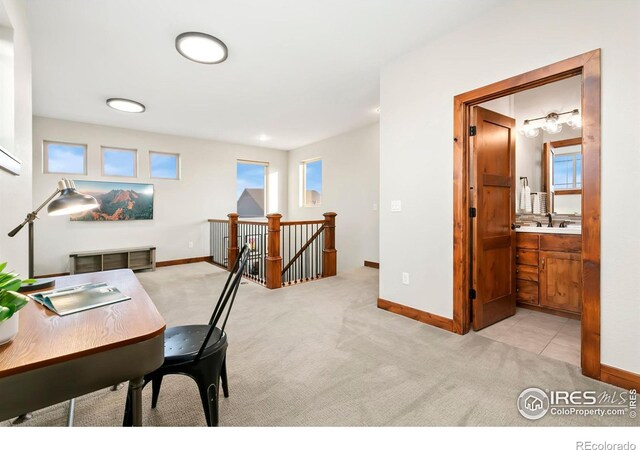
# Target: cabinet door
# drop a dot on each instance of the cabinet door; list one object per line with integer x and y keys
{"x": 561, "y": 281}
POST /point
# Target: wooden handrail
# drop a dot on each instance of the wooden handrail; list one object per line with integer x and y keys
{"x": 219, "y": 220}
{"x": 301, "y": 222}
{"x": 304, "y": 247}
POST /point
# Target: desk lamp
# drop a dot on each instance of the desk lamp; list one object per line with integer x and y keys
{"x": 70, "y": 201}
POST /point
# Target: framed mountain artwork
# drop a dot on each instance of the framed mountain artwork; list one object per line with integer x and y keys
{"x": 118, "y": 201}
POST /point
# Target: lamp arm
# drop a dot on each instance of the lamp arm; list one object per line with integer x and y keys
{"x": 33, "y": 215}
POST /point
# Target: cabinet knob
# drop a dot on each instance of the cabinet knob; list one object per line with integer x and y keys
{"x": 517, "y": 289}
{"x": 517, "y": 256}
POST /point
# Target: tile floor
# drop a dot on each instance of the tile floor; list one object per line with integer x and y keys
{"x": 544, "y": 334}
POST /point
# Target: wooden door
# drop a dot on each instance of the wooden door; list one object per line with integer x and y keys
{"x": 561, "y": 281}
{"x": 494, "y": 242}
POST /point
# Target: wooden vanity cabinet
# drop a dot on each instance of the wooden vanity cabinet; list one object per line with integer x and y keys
{"x": 549, "y": 272}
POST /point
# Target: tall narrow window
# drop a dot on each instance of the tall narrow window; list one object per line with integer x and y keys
{"x": 312, "y": 182}
{"x": 119, "y": 162}
{"x": 164, "y": 165}
{"x": 60, "y": 157}
{"x": 567, "y": 171}
{"x": 251, "y": 192}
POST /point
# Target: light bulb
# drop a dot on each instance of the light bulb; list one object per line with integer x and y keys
{"x": 575, "y": 121}
{"x": 551, "y": 124}
{"x": 529, "y": 130}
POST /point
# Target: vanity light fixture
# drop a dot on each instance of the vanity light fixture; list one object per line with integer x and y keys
{"x": 201, "y": 47}
{"x": 551, "y": 123}
{"x": 126, "y": 105}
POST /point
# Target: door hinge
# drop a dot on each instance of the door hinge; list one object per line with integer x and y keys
{"x": 472, "y": 130}
{"x": 472, "y": 294}
{"x": 472, "y": 212}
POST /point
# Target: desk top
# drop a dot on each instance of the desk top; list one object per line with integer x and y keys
{"x": 44, "y": 338}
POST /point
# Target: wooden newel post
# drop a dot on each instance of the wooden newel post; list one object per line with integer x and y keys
{"x": 232, "y": 250}
{"x": 329, "y": 253}
{"x": 274, "y": 259}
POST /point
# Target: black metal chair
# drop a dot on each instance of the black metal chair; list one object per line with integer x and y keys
{"x": 199, "y": 351}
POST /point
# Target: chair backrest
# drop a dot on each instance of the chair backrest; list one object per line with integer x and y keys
{"x": 227, "y": 297}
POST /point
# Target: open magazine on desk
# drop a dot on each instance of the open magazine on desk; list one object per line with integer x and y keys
{"x": 74, "y": 299}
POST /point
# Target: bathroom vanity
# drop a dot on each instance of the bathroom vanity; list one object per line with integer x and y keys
{"x": 549, "y": 270}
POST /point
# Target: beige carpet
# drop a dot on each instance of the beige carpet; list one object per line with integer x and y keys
{"x": 322, "y": 354}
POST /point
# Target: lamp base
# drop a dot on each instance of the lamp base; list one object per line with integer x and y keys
{"x": 39, "y": 285}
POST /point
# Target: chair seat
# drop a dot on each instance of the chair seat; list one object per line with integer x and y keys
{"x": 182, "y": 343}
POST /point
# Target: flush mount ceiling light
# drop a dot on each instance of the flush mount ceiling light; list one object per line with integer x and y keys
{"x": 126, "y": 105}
{"x": 201, "y": 47}
{"x": 264, "y": 138}
{"x": 551, "y": 123}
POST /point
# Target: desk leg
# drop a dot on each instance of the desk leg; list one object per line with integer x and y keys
{"x": 135, "y": 389}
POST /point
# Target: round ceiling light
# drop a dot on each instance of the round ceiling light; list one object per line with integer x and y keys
{"x": 126, "y": 105}
{"x": 201, "y": 47}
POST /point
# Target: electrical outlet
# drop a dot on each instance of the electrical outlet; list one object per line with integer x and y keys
{"x": 405, "y": 278}
{"x": 396, "y": 205}
{"x": 375, "y": 206}
{"x": 190, "y": 244}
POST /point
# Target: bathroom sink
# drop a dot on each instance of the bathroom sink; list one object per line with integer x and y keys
{"x": 555, "y": 230}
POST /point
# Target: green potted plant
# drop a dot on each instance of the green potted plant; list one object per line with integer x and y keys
{"x": 11, "y": 302}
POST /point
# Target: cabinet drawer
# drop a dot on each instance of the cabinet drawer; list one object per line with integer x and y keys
{"x": 527, "y": 291}
{"x": 528, "y": 257}
{"x": 527, "y": 240}
{"x": 529, "y": 273}
{"x": 561, "y": 242}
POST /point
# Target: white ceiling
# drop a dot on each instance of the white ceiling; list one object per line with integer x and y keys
{"x": 298, "y": 70}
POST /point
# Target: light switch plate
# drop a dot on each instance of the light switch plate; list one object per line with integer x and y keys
{"x": 396, "y": 205}
{"x": 405, "y": 278}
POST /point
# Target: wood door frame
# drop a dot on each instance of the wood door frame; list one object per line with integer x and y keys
{"x": 587, "y": 65}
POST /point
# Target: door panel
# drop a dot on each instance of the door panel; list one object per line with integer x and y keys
{"x": 493, "y": 172}
{"x": 561, "y": 281}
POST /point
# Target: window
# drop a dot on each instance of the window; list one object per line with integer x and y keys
{"x": 251, "y": 190}
{"x": 567, "y": 171}
{"x": 119, "y": 162}
{"x": 60, "y": 157}
{"x": 164, "y": 165}
{"x": 311, "y": 191}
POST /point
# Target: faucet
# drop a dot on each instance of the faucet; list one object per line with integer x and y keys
{"x": 538, "y": 223}
{"x": 564, "y": 223}
{"x": 550, "y": 216}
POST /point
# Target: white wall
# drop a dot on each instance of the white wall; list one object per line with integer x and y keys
{"x": 350, "y": 187}
{"x": 416, "y": 133}
{"x": 15, "y": 191}
{"x": 207, "y": 189}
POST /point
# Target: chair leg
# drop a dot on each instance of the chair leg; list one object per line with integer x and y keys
{"x": 156, "y": 382}
{"x": 225, "y": 383}
{"x": 209, "y": 398}
{"x": 127, "y": 419}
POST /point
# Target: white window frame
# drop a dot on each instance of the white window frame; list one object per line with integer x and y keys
{"x": 266, "y": 183}
{"x": 303, "y": 183}
{"x": 178, "y": 165}
{"x": 119, "y": 149}
{"x": 574, "y": 185}
{"x": 45, "y": 156}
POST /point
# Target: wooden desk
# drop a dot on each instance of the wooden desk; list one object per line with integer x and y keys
{"x": 54, "y": 358}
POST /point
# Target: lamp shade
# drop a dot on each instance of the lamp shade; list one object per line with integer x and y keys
{"x": 70, "y": 200}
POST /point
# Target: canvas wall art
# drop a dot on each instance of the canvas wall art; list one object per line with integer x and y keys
{"x": 118, "y": 201}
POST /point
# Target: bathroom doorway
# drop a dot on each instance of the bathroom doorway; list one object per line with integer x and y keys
{"x": 495, "y": 266}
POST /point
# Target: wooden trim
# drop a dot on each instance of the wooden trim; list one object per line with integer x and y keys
{"x": 52, "y": 275}
{"x": 555, "y": 312}
{"x": 568, "y": 191}
{"x": 619, "y": 377}
{"x": 372, "y": 264}
{"x": 416, "y": 314}
{"x": 587, "y": 65}
{"x": 178, "y": 262}
{"x": 566, "y": 143}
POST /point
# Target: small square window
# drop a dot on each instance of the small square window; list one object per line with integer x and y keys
{"x": 119, "y": 162}
{"x": 61, "y": 157}
{"x": 311, "y": 192}
{"x": 164, "y": 165}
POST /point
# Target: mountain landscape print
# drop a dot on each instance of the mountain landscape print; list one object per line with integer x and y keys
{"x": 118, "y": 201}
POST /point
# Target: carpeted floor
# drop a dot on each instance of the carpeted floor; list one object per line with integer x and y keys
{"x": 322, "y": 354}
